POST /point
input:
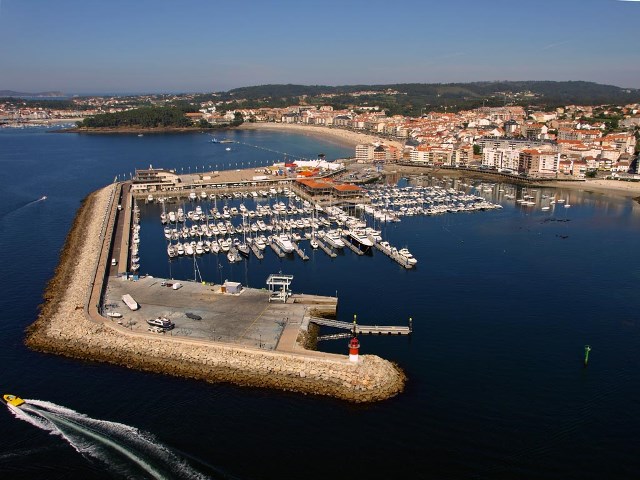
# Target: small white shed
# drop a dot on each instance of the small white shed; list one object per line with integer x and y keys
{"x": 232, "y": 287}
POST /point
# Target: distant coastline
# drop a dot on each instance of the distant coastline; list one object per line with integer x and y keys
{"x": 351, "y": 139}
{"x": 137, "y": 130}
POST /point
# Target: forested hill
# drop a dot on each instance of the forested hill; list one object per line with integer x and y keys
{"x": 411, "y": 98}
{"x": 146, "y": 117}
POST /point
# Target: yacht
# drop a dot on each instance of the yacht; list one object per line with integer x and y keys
{"x": 410, "y": 259}
{"x": 332, "y": 237}
{"x": 260, "y": 243}
{"x": 284, "y": 242}
{"x": 360, "y": 239}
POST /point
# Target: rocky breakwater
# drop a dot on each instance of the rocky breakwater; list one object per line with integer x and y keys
{"x": 64, "y": 327}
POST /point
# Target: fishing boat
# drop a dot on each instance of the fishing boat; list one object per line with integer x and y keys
{"x": 12, "y": 400}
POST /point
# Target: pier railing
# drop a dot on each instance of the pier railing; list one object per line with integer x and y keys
{"x": 364, "y": 329}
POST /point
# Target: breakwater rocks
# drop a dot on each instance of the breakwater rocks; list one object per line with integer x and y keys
{"x": 64, "y": 327}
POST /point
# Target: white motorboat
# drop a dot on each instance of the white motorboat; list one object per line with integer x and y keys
{"x": 360, "y": 239}
{"x": 161, "y": 322}
{"x": 284, "y": 242}
{"x": 332, "y": 237}
{"x": 260, "y": 243}
{"x": 406, "y": 254}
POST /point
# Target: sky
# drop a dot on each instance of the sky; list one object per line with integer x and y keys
{"x": 143, "y": 46}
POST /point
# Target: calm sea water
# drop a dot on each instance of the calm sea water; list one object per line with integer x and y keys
{"x": 503, "y": 303}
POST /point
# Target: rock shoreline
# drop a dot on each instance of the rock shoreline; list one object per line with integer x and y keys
{"x": 64, "y": 327}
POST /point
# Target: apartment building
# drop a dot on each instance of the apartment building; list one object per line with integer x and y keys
{"x": 501, "y": 159}
{"x": 539, "y": 163}
{"x": 374, "y": 152}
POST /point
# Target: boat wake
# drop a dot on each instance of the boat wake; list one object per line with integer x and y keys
{"x": 25, "y": 205}
{"x": 123, "y": 450}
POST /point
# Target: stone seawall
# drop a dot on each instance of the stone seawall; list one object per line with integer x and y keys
{"x": 64, "y": 327}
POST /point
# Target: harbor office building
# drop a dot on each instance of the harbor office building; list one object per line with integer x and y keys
{"x": 154, "y": 179}
{"x": 326, "y": 191}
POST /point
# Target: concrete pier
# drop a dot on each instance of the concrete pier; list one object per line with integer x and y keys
{"x": 394, "y": 256}
{"x": 326, "y": 249}
{"x": 299, "y": 251}
{"x": 240, "y": 339}
{"x": 256, "y": 251}
{"x": 351, "y": 246}
{"x": 276, "y": 249}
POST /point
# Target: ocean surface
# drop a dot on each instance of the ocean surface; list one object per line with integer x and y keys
{"x": 503, "y": 303}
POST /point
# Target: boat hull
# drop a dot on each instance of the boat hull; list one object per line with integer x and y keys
{"x": 12, "y": 400}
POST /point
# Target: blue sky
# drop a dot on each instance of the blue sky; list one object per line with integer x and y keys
{"x": 85, "y": 46}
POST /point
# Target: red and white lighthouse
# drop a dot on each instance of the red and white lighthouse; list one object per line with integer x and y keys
{"x": 354, "y": 347}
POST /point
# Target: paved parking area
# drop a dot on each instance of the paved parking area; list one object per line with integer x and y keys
{"x": 245, "y": 319}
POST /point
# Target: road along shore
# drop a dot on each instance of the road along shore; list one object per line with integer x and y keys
{"x": 69, "y": 325}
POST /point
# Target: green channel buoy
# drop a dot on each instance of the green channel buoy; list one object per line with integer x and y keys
{"x": 587, "y": 349}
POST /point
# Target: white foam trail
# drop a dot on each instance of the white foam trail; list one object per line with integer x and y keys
{"x": 41, "y": 199}
{"x": 95, "y": 438}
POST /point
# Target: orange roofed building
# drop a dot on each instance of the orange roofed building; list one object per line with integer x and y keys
{"x": 326, "y": 189}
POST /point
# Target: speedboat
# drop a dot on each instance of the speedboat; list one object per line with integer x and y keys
{"x": 161, "y": 322}
{"x": 12, "y": 400}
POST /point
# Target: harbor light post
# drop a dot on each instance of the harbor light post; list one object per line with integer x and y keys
{"x": 587, "y": 349}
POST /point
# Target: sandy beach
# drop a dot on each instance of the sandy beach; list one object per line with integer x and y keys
{"x": 609, "y": 187}
{"x": 342, "y": 136}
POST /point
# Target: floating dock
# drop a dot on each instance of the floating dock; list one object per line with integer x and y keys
{"x": 256, "y": 251}
{"x": 352, "y": 247}
{"x": 276, "y": 249}
{"x": 299, "y": 251}
{"x": 394, "y": 256}
{"x": 364, "y": 329}
{"x": 323, "y": 246}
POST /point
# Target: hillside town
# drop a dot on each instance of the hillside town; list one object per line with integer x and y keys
{"x": 571, "y": 141}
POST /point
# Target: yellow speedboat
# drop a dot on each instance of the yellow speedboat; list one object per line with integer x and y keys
{"x": 12, "y": 400}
